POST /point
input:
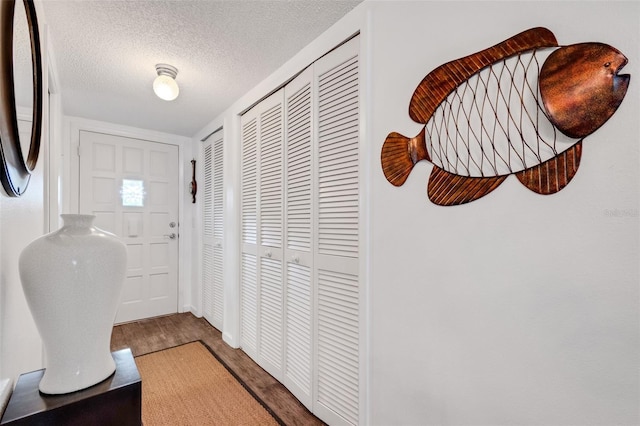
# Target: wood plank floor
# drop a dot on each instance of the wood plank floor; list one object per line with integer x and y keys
{"x": 155, "y": 334}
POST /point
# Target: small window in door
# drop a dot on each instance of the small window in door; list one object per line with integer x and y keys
{"x": 132, "y": 193}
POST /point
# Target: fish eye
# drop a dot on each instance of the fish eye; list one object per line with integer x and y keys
{"x": 607, "y": 64}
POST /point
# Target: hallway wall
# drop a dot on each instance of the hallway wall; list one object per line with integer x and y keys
{"x": 517, "y": 308}
{"x": 21, "y": 221}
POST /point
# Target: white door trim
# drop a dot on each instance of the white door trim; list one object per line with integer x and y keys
{"x": 186, "y": 210}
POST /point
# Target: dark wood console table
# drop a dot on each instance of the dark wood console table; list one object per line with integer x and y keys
{"x": 114, "y": 401}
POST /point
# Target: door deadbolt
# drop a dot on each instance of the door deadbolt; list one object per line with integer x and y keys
{"x": 172, "y": 224}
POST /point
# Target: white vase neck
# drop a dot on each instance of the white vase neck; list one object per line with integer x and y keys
{"x": 77, "y": 220}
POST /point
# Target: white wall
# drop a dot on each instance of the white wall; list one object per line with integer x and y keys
{"x": 517, "y": 308}
{"x": 21, "y": 221}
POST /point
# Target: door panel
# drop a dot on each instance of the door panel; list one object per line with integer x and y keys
{"x": 271, "y": 139}
{"x": 298, "y": 231}
{"x": 262, "y": 234}
{"x": 131, "y": 186}
{"x": 337, "y": 311}
{"x": 213, "y": 230}
{"x": 300, "y": 199}
{"x": 249, "y": 289}
{"x": 271, "y": 316}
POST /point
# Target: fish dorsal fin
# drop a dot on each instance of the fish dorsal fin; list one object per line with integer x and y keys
{"x": 554, "y": 174}
{"x": 439, "y": 83}
{"x": 447, "y": 189}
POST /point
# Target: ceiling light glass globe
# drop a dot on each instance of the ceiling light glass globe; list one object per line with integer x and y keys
{"x": 166, "y": 87}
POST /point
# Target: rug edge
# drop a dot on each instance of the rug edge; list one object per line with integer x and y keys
{"x": 233, "y": 373}
{"x": 244, "y": 385}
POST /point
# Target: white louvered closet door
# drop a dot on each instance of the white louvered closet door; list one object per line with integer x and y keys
{"x": 213, "y": 230}
{"x": 270, "y": 225}
{"x": 249, "y": 289}
{"x": 336, "y": 263}
{"x": 298, "y": 238}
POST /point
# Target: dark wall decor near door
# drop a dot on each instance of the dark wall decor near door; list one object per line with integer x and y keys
{"x": 193, "y": 186}
{"x": 16, "y": 171}
{"x": 521, "y": 107}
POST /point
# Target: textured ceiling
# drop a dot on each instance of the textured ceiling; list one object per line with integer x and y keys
{"x": 106, "y": 53}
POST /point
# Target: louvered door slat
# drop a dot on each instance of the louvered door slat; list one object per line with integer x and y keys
{"x": 337, "y": 246}
{"x": 338, "y": 160}
{"x": 207, "y": 280}
{"x": 218, "y": 231}
{"x": 340, "y": 83}
{"x": 271, "y": 319}
{"x": 271, "y": 141}
{"x": 207, "y": 234}
{"x": 299, "y": 228}
{"x": 271, "y": 299}
{"x": 298, "y": 360}
{"x": 215, "y": 188}
{"x": 249, "y": 182}
{"x": 249, "y": 305}
{"x": 208, "y": 191}
{"x": 338, "y": 342}
{"x": 299, "y": 169}
{"x": 249, "y": 216}
{"x": 213, "y": 227}
{"x": 341, "y": 373}
{"x": 218, "y": 188}
{"x": 341, "y": 405}
{"x": 340, "y": 110}
{"x": 218, "y": 288}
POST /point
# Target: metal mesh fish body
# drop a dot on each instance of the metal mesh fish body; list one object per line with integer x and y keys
{"x": 494, "y": 124}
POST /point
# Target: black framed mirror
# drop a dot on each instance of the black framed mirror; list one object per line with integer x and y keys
{"x": 16, "y": 170}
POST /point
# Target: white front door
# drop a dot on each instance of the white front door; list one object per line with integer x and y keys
{"x": 131, "y": 186}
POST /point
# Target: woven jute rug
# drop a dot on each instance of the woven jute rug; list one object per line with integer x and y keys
{"x": 188, "y": 385}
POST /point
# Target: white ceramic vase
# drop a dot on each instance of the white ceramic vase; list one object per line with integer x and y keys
{"x": 72, "y": 280}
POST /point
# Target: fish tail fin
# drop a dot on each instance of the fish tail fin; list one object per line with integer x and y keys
{"x": 400, "y": 154}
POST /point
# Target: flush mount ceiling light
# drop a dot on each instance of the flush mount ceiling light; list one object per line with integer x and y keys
{"x": 165, "y": 85}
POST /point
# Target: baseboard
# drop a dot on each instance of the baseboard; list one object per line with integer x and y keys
{"x": 195, "y": 311}
{"x": 229, "y": 340}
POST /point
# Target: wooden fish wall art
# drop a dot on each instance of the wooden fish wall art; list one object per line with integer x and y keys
{"x": 521, "y": 107}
